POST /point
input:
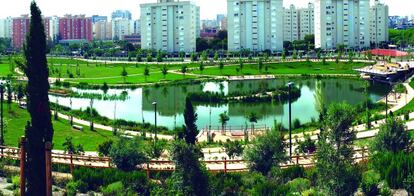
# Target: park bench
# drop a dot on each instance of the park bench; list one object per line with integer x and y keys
{"x": 77, "y": 127}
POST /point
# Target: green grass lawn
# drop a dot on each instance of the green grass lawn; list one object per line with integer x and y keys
{"x": 17, "y": 118}
{"x": 286, "y": 68}
{"x": 152, "y": 78}
{"x": 410, "y": 106}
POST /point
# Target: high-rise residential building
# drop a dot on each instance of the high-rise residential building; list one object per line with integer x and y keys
{"x": 102, "y": 30}
{"x": 220, "y": 17}
{"x": 378, "y": 23}
{"x": 223, "y": 24}
{"x": 6, "y": 27}
{"x": 124, "y": 14}
{"x": 170, "y": 26}
{"x": 291, "y": 24}
{"x": 306, "y": 21}
{"x": 342, "y": 22}
{"x": 121, "y": 27}
{"x": 137, "y": 27}
{"x": 255, "y": 25}
{"x": 97, "y": 18}
{"x": 20, "y": 29}
{"x": 76, "y": 27}
{"x": 53, "y": 28}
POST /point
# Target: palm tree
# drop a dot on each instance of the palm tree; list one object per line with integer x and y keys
{"x": 224, "y": 118}
{"x": 252, "y": 119}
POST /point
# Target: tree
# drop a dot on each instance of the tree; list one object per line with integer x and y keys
{"x": 224, "y": 118}
{"x": 124, "y": 73}
{"x": 159, "y": 56}
{"x": 149, "y": 56}
{"x": 193, "y": 57}
{"x": 335, "y": 169}
{"x": 252, "y": 119}
{"x": 201, "y": 67}
{"x": 318, "y": 54}
{"x": 146, "y": 73}
{"x": 68, "y": 146}
{"x": 295, "y": 54}
{"x": 190, "y": 118}
{"x": 139, "y": 56}
{"x": 283, "y": 55}
{"x": 126, "y": 154}
{"x": 40, "y": 130}
{"x": 267, "y": 151}
{"x": 204, "y": 56}
{"x": 164, "y": 70}
{"x": 105, "y": 148}
{"x": 221, "y": 66}
{"x": 184, "y": 70}
{"x": 350, "y": 57}
{"x": 216, "y": 56}
{"x": 260, "y": 64}
{"x": 241, "y": 65}
{"x": 105, "y": 88}
{"x": 190, "y": 176}
{"x": 392, "y": 136}
{"x": 233, "y": 148}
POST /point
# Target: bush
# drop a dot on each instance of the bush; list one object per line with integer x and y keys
{"x": 394, "y": 168}
{"x": 71, "y": 188}
{"x": 409, "y": 183}
{"x": 116, "y": 188}
{"x": 369, "y": 184}
{"x": 104, "y": 148}
{"x": 296, "y": 124}
{"x": 127, "y": 154}
{"x": 298, "y": 186}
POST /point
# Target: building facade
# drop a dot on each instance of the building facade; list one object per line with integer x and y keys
{"x": 255, "y": 25}
{"x": 121, "y": 27}
{"x": 378, "y": 23}
{"x": 76, "y": 27}
{"x": 102, "y": 30}
{"x": 124, "y": 14}
{"x": 20, "y": 29}
{"x": 290, "y": 24}
{"x": 306, "y": 21}
{"x": 170, "y": 26}
{"x": 6, "y": 27}
{"x": 342, "y": 22}
{"x": 97, "y": 18}
{"x": 53, "y": 28}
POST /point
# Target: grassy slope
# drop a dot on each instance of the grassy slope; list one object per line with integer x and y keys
{"x": 287, "y": 68}
{"x": 17, "y": 118}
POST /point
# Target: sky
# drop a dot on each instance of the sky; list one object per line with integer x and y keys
{"x": 209, "y": 8}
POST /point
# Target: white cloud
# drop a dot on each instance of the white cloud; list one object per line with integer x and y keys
{"x": 209, "y": 8}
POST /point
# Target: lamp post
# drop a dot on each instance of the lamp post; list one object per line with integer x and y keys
{"x": 290, "y": 84}
{"x": 155, "y": 118}
{"x": 71, "y": 116}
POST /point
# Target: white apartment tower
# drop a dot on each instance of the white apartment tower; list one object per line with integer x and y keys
{"x": 342, "y": 22}
{"x": 306, "y": 21}
{"x": 102, "y": 30}
{"x": 378, "y": 23}
{"x": 291, "y": 24}
{"x": 255, "y": 25}
{"x": 170, "y": 26}
{"x": 54, "y": 28}
{"x": 121, "y": 27}
{"x": 6, "y": 27}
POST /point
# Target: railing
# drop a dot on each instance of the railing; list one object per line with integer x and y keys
{"x": 224, "y": 165}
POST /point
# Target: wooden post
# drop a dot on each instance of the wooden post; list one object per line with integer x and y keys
{"x": 48, "y": 161}
{"x": 297, "y": 159}
{"x": 148, "y": 171}
{"x": 225, "y": 165}
{"x": 71, "y": 164}
{"x": 22, "y": 163}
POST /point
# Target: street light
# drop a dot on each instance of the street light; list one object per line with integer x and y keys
{"x": 290, "y": 84}
{"x": 155, "y": 117}
{"x": 1, "y": 114}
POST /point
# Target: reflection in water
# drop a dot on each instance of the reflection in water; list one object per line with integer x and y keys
{"x": 171, "y": 101}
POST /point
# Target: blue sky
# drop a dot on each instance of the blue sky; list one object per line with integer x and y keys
{"x": 209, "y": 8}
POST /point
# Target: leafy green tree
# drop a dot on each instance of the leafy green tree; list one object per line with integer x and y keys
{"x": 392, "y": 136}
{"x": 283, "y": 55}
{"x": 350, "y": 57}
{"x": 190, "y": 176}
{"x": 224, "y": 118}
{"x": 204, "y": 56}
{"x": 139, "y": 56}
{"x": 68, "y": 146}
{"x": 216, "y": 56}
{"x": 253, "y": 119}
{"x": 155, "y": 149}
{"x": 40, "y": 130}
{"x": 149, "y": 56}
{"x": 221, "y": 66}
{"x": 193, "y": 57}
{"x": 318, "y": 54}
{"x": 295, "y": 54}
{"x": 184, "y": 70}
{"x": 146, "y": 73}
{"x": 190, "y": 118}
{"x": 126, "y": 154}
{"x": 105, "y": 148}
{"x": 335, "y": 169}
{"x": 201, "y": 67}
{"x": 260, "y": 64}
{"x": 159, "y": 56}
{"x": 164, "y": 70}
{"x": 241, "y": 65}
{"x": 233, "y": 148}
{"x": 324, "y": 60}
{"x": 105, "y": 88}
{"x": 124, "y": 73}
{"x": 267, "y": 151}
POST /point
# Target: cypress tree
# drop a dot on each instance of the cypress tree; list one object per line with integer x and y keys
{"x": 40, "y": 129}
{"x": 190, "y": 118}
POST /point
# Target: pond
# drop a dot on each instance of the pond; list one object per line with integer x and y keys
{"x": 171, "y": 101}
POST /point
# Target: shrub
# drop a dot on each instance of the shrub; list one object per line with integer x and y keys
{"x": 298, "y": 185}
{"x": 369, "y": 184}
{"x": 409, "y": 183}
{"x": 105, "y": 147}
{"x": 394, "y": 168}
{"x": 296, "y": 124}
{"x": 71, "y": 188}
{"x": 392, "y": 136}
{"x": 113, "y": 189}
{"x": 127, "y": 154}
